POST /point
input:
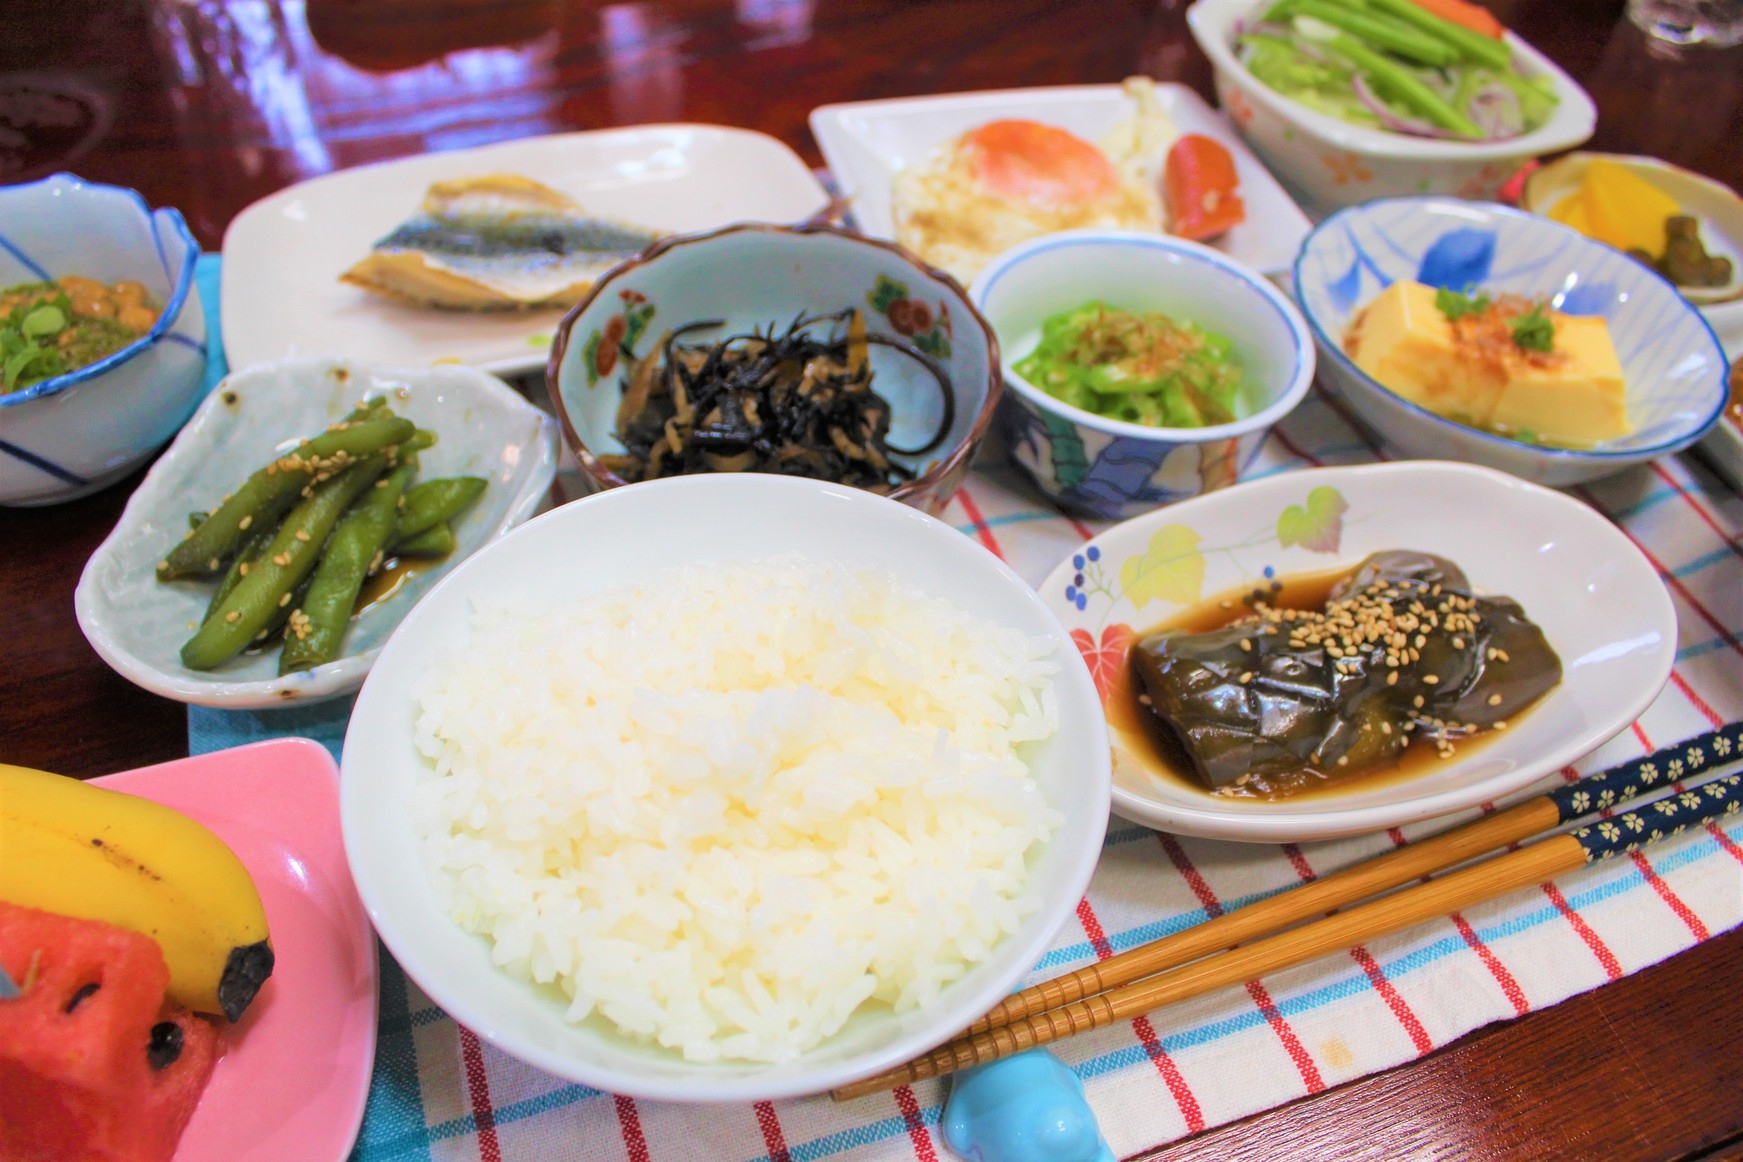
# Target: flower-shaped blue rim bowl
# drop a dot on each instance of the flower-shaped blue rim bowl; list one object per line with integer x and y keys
{"x": 1613, "y": 265}
{"x": 183, "y": 282}
{"x": 1301, "y": 374}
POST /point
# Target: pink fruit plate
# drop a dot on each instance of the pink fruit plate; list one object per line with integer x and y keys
{"x": 291, "y": 1085}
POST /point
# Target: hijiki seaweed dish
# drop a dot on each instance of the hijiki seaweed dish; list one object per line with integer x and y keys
{"x": 790, "y": 403}
{"x": 1402, "y": 656}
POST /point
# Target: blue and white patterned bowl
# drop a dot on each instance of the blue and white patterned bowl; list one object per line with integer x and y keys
{"x": 76, "y": 433}
{"x": 1109, "y": 469}
{"x": 1672, "y": 361}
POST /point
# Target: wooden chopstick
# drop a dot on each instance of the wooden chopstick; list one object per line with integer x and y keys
{"x": 1085, "y": 1006}
{"x": 1605, "y": 788}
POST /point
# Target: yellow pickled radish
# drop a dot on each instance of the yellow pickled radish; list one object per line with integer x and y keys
{"x": 1571, "y": 211}
{"x": 1625, "y": 210}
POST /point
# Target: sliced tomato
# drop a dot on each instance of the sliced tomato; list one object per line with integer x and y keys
{"x": 1200, "y": 188}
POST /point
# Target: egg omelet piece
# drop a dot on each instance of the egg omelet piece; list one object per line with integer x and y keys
{"x": 1008, "y": 181}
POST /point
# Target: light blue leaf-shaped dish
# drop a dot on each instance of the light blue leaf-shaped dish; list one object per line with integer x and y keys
{"x": 1673, "y": 364}
{"x": 138, "y": 625}
{"x": 76, "y": 433}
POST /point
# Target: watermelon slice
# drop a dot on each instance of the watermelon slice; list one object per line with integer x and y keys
{"x": 93, "y": 1064}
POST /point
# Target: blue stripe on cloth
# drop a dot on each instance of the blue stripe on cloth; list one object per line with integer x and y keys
{"x": 841, "y": 1142}
{"x": 393, "y": 1117}
{"x": 1702, "y": 561}
{"x": 1700, "y": 648}
{"x": 546, "y": 1102}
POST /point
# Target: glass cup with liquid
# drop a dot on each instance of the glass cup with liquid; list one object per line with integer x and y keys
{"x": 1718, "y": 23}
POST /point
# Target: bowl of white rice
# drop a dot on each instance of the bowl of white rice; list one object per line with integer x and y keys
{"x": 725, "y": 788}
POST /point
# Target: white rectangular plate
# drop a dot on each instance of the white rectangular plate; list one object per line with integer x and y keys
{"x": 283, "y": 255}
{"x": 867, "y": 142}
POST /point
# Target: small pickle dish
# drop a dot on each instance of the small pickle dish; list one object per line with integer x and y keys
{"x": 190, "y": 593}
{"x": 89, "y": 391}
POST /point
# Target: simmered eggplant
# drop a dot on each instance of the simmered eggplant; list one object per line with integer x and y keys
{"x": 1402, "y": 651}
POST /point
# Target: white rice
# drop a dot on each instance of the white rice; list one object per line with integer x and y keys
{"x": 726, "y": 808}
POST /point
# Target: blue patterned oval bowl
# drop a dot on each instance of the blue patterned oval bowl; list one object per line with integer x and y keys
{"x": 1108, "y": 469}
{"x": 1671, "y": 360}
{"x": 76, "y": 433}
{"x": 757, "y": 276}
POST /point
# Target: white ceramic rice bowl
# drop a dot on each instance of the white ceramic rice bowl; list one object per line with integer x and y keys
{"x": 613, "y": 538}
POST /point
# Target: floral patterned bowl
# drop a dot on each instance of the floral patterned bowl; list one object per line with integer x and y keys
{"x": 1599, "y": 601}
{"x": 1108, "y": 469}
{"x": 1331, "y": 163}
{"x": 1671, "y": 360}
{"x": 755, "y": 275}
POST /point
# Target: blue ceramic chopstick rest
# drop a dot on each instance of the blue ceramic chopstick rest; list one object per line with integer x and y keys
{"x": 1026, "y": 1108}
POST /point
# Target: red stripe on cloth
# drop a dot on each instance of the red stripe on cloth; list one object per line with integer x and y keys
{"x": 1725, "y": 842}
{"x": 1083, "y": 530}
{"x": 1569, "y": 775}
{"x": 1183, "y": 864}
{"x": 1213, "y": 907}
{"x": 1700, "y": 509}
{"x": 1098, "y": 939}
{"x": 774, "y": 1141}
{"x": 917, "y": 1131}
{"x": 1171, "y": 1076}
{"x": 1394, "y": 1000}
{"x": 1509, "y": 986}
{"x": 478, "y": 1095}
{"x": 1299, "y": 862}
{"x": 1669, "y": 896}
{"x": 1577, "y": 922}
{"x": 629, "y": 1123}
{"x": 985, "y": 534}
{"x": 1291, "y": 1043}
{"x": 1671, "y": 579}
{"x": 1299, "y": 453}
{"x": 1182, "y": 1093}
{"x": 1640, "y": 734}
{"x": 1696, "y": 700}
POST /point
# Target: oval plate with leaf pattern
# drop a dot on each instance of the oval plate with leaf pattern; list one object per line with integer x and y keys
{"x": 1599, "y": 601}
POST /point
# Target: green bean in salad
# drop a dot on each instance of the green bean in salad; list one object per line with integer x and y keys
{"x": 1394, "y": 65}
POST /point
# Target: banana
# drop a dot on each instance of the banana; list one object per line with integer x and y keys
{"x": 97, "y": 854}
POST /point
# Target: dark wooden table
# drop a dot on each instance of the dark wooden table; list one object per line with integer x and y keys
{"x": 209, "y": 104}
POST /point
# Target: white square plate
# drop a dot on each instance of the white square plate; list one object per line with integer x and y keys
{"x": 284, "y": 254}
{"x": 867, "y": 142}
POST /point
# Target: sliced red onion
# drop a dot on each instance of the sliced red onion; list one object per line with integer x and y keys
{"x": 1495, "y": 109}
{"x": 1390, "y": 118}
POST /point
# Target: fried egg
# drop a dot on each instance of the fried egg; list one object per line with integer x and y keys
{"x": 1005, "y": 182}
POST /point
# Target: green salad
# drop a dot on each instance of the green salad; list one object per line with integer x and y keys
{"x": 48, "y": 329}
{"x": 1142, "y": 368}
{"x": 1394, "y": 65}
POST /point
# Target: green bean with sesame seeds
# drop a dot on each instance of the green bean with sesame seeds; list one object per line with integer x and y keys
{"x": 245, "y": 557}
{"x": 435, "y": 541}
{"x": 267, "y": 494}
{"x": 317, "y": 625}
{"x": 267, "y": 589}
{"x": 431, "y": 502}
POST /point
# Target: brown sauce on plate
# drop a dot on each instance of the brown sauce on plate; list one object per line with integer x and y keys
{"x": 1160, "y": 754}
{"x": 394, "y": 575}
